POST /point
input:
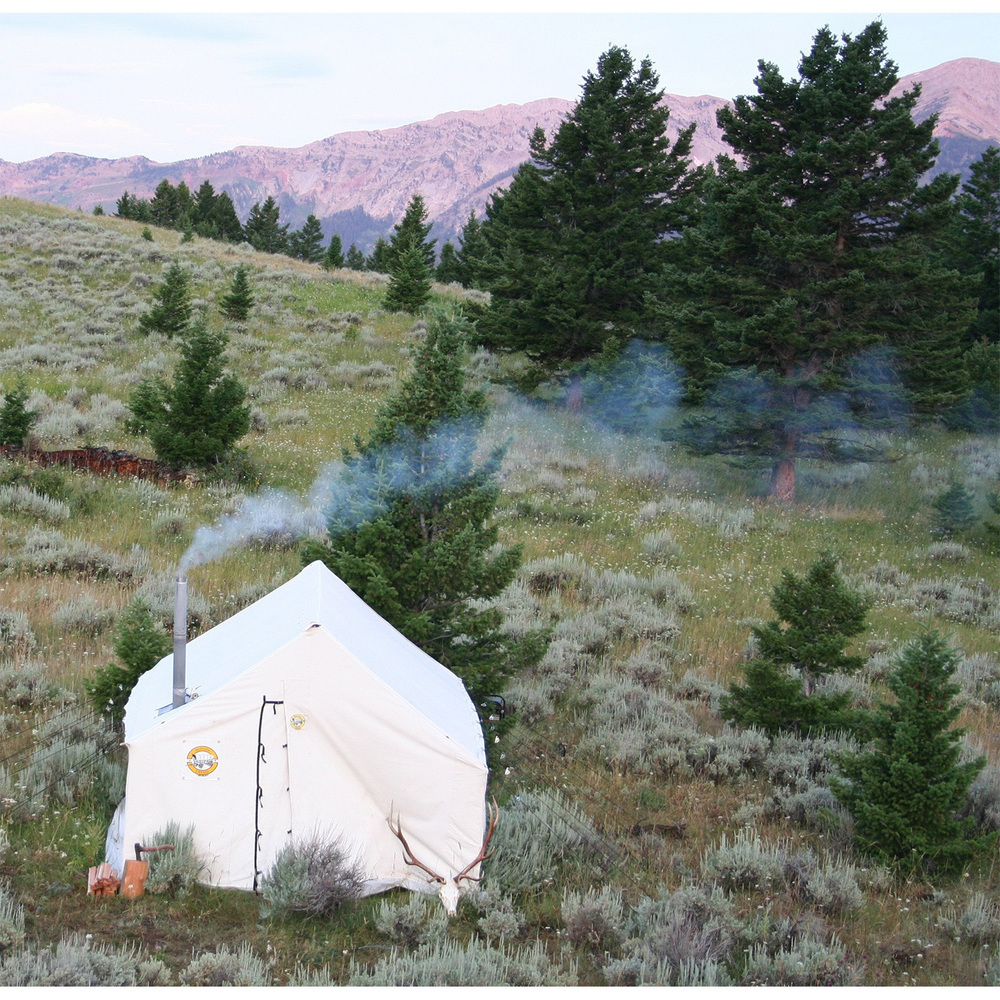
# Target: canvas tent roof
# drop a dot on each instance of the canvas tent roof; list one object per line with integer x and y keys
{"x": 314, "y": 596}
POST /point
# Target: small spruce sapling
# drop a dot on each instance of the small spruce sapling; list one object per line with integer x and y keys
{"x": 196, "y": 419}
{"x": 333, "y": 259}
{"x": 410, "y": 284}
{"x": 817, "y": 616}
{"x": 355, "y": 259}
{"x": 171, "y": 312}
{"x": 140, "y": 643}
{"x": 16, "y": 420}
{"x": 954, "y": 510}
{"x": 906, "y": 791}
{"x": 238, "y": 302}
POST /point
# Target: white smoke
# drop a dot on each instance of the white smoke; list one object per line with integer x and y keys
{"x": 267, "y": 516}
{"x": 344, "y": 494}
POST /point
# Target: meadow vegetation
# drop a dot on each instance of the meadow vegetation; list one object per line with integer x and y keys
{"x": 643, "y": 839}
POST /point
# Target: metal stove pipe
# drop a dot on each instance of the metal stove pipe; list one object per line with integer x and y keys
{"x": 180, "y": 641}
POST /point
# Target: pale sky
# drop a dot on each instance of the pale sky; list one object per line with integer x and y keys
{"x": 178, "y": 85}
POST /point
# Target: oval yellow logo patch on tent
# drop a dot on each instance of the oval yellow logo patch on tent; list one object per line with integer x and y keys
{"x": 297, "y": 721}
{"x": 202, "y": 760}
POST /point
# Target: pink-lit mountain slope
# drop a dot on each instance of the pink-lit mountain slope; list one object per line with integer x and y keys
{"x": 360, "y": 182}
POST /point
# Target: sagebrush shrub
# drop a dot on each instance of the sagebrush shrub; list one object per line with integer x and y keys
{"x": 25, "y": 684}
{"x": 73, "y": 759}
{"x": 404, "y": 922}
{"x": 24, "y": 500}
{"x": 746, "y": 861}
{"x": 807, "y": 962}
{"x": 76, "y": 961}
{"x": 173, "y": 873}
{"x": 537, "y": 832}
{"x": 315, "y": 877}
{"x": 84, "y": 615}
{"x": 224, "y": 967}
{"x": 16, "y": 635}
{"x": 11, "y": 920}
{"x": 593, "y": 917}
{"x": 977, "y": 922}
{"x": 673, "y": 935}
{"x": 451, "y": 963}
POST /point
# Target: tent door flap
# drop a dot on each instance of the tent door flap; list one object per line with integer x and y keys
{"x": 272, "y": 804}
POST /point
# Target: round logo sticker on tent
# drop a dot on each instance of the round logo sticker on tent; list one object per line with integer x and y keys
{"x": 297, "y": 721}
{"x": 202, "y": 761}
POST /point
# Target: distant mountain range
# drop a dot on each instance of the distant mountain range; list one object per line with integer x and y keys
{"x": 358, "y": 183}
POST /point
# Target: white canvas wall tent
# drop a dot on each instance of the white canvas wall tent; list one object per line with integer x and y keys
{"x": 308, "y": 715}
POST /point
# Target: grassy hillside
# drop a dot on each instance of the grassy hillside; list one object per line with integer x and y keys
{"x": 641, "y": 838}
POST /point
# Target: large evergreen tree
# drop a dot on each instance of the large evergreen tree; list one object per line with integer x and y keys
{"x": 165, "y": 205}
{"x": 579, "y": 236}
{"x": 814, "y": 252}
{"x": 977, "y": 243}
{"x": 447, "y": 269}
{"x": 171, "y": 311}
{"x": 410, "y": 523}
{"x": 196, "y": 419}
{"x": 471, "y": 254}
{"x": 906, "y": 791}
{"x": 227, "y": 223}
{"x": 263, "y": 231}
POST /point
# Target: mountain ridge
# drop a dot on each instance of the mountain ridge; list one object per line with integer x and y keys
{"x": 455, "y": 159}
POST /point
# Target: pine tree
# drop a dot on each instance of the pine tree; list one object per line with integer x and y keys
{"x": 236, "y": 305}
{"x": 447, "y": 270}
{"x": 16, "y": 420}
{"x": 307, "y": 242}
{"x": 355, "y": 259}
{"x": 262, "y": 229}
{"x": 204, "y": 205}
{"x": 818, "y": 250}
{"x": 164, "y": 205}
{"x": 977, "y": 243}
{"x": 98, "y": 209}
{"x": 171, "y": 312}
{"x": 380, "y": 259}
{"x": 226, "y": 221}
{"x": 140, "y": 643}
{"x": 333, "y": 259}
{"x": 578, "y": 239}
{"x": 905, "y": 792}
{"x": 410, "y": 284}
{"x": 125, "y": 206}
{"x": 196, "y": 419}
{"x": 818, "y": 615}
{"x": 411, "y": 231}
{"x": 472, "y": 253}
{"x": 410, "y": 529}
{"x": 954, "y": 510}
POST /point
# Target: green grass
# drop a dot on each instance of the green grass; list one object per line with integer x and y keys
{"x": 567, "y": 488}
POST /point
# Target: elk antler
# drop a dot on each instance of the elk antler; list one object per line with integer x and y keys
{"x": 483, "y": 856}
{"x": 408, "y": 854}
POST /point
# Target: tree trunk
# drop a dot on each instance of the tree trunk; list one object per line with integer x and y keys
{"x": 782, "y": 486}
